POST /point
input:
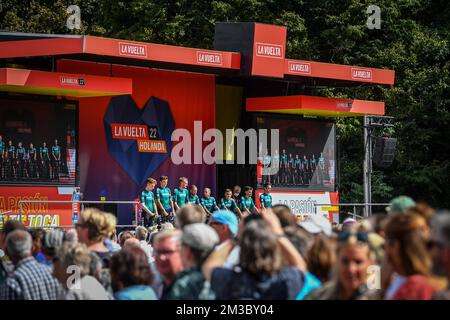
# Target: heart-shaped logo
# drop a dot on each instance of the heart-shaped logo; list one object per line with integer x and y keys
{"x": 155, "y": 114}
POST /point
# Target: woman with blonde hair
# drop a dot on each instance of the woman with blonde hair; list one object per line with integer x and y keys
{"x": 407, "y": 255}
{"x": 93, "y": 228}
{"x": 354, "y": 256}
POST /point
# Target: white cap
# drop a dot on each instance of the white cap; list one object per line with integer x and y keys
{"x": 349, "y": 220}
{"x": 316, "y": 223}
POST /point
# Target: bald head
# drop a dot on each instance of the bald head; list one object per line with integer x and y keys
{"x": 129, "y": 243}
{"x": 18, "y": 245}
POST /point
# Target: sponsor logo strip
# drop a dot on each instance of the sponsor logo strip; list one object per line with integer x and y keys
{"x": 269, "y": 50}
{"x": 132, "y": 49}
{"x": 363, "y": 74}
{"x": 153, "y": 146}
{"x": 71, "y": 81}
{"x": 210, "y": 58}
{"x": 129, "y": 131}
{"x": 299, "y": 67}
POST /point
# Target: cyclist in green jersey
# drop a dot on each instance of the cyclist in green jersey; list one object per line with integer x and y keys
{"x": 11, "y": 161}
{"x": 291, "y": 171}
{"x": 266, "y": 162}
{"x": 276, "y": 166}
{"x": 208, "y": 202}
{"x": 321, "y": 171}
{"x": 32, "y": 162}
{"x": 227, "y": 203}
{"x": 298, "y": 174}
{"x": 164, "y": 201}
{"x": 148, "y": 204}
{"x": 21, "y": 153}
{"x": 56, "y": 159}
{"x": 284, "y": 167}
{"x": 180, "y": 193}
{"x": 247, "y": 205}
{"x": 45, "y": 161}
{"x": 2, "y": 154}
{"x": 312, "y": 169}
{"x": 265, "y": 199}
{"x": 305, "y": 163}
{"x": 193, "y": 197}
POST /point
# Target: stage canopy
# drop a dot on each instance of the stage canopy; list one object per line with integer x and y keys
{"x": 315, "y": 106}
{"x": 62, "y": 84}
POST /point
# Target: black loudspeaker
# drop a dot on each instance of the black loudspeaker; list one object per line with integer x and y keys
{"x": 384, "y": 152}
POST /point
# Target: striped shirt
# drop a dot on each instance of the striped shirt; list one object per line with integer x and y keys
{"x": 30, "y": 280}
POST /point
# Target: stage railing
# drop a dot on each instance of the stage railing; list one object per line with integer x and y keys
{"x": 355, "y": 207}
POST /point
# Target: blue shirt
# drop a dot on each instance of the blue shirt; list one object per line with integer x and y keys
{"x": 138, "y": 292}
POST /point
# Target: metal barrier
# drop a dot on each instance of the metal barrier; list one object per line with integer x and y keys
{"x": 82, "y": 203}
{"x": 355, "y": 206}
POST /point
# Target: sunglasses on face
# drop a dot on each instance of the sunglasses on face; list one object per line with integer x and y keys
{"x": 360, "y": 236}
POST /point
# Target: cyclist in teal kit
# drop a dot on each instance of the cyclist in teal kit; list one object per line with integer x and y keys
{"x": 298, "y": 170}
{"x": 284, "y": 167}
{"x": 56, "y": 159}
{"x": 208, "y": 202}
{"x": 276, "y": 165}
{"x": 45, "y": 161}
{"x": 265, "y": 199}
{"x": 11, "y": 160}
{"x": 247, "y": 205}
{"x": 193, "y": 197}
{"x": 20, "y": 154}
{"x": 180, "y": 193}
{"x": 2, "y": 155}
{"x": 148, "y": 204}
{"x": 164, "y": 201}
{"x": 227, "y": 203}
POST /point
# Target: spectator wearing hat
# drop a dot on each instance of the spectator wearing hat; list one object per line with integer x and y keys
{"x": 317, "y": 224}
{"x": 439, "y": 248}
{"x": 226, "y": 225}
{"x": 29, "y": 280}
{"x": 400, "y": 205}
{"x": 197, "y": 242}
{"x": 73, "y": 255}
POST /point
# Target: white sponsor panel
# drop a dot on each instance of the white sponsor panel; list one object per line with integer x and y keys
{"x": 303, "y": 203}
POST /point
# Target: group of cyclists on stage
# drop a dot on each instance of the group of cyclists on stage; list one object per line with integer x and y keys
{"x": 294, "y": 170}
{"x": 159, "y": 204}
{"x": 20, "y": 162}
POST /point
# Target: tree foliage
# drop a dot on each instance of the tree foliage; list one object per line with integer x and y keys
{"x": 413, "y": 40}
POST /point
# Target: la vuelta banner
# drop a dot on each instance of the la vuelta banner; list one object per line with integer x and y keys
{"x": 123, "y": 140}
{"x": 36, "y": 214}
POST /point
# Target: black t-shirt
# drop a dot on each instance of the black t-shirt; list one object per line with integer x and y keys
{"x": 240, "y": 285}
